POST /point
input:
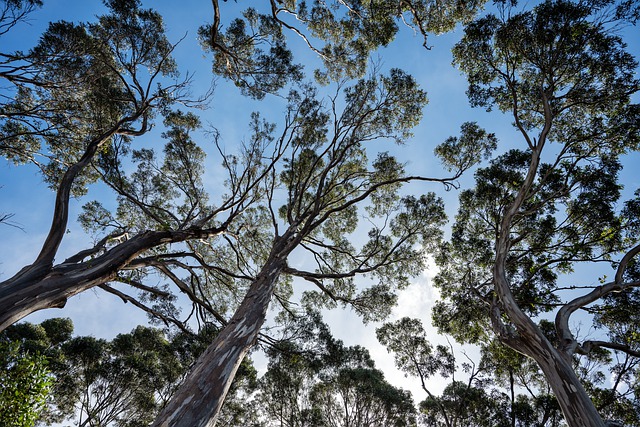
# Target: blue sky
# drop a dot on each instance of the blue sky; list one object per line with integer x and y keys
{"x": 104, "y": 315}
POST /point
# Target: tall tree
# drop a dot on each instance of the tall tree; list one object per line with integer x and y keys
{"x": 312, "y": 205}
{"x": 551, "y": 204}
{"x": 82, "y": 89}
{"x": 86, "y": 90}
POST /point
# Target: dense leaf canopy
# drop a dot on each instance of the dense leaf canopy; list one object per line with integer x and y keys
{"x": 311, "y": 212}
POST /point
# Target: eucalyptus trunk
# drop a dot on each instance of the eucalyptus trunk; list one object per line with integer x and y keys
{"x": 199, "y": 399}
{"x": 577, "y": 407}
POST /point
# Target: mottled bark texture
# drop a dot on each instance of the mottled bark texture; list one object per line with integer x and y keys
{"x": 199, "y": 399}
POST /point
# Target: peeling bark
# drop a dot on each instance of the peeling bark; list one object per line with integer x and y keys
{"x": 199, "y": 399}
{"x": 577, "y": 408}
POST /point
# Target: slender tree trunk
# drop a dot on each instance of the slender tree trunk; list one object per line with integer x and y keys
{"x": 199, "y": 399}
{"x": 578, "y": 409}
{"x": 513, "y": 398}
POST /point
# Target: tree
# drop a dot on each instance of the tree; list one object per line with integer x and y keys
{"x": 350, "y": 31}
{"x": 79, "y": 98}
{"x": 546, "y": 207}
{"x": 79, "y": 91}
{"x": 24, "y": 385}
{"x": 86, "y": 90}
{"x": 47, "y": 341}
{"x": 315, "y": 380}
{"x": 121, "y": 382}
{"x": 325, "y": 177}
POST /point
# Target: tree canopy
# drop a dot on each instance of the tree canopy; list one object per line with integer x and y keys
{"x": 312, "y": 212}
{"x": 551, "y": 203}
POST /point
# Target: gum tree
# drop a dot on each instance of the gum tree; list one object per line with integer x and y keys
{"x": 81, "y": 90}
{"x": 551, "y": 203}
{"x": 78, "y": 100}
{"x": 313, "y": 205}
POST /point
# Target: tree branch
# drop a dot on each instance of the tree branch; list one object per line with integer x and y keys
{"x": 589, "y": 346}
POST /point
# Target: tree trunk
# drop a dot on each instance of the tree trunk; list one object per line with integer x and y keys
{"x": 36, "y": 288}
{"x": 578, "y": 409}
{"x": 199, "y": 399}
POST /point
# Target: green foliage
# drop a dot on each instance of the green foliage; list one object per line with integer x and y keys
{"x": 314, "y": 380}
{"x": 472, "y": 404}
{"x": 472, "y": 146}
{"x": 82, "y": 82}
{"x": 46, "y": 340}
{"x": 413, "y": 353}
{"x": 240, "y": 54}
{"x": 253, "y": 50}
{"x": 554, "y": 52}
{"x": 25, "y": 384}
{"x": 122, "y": 382}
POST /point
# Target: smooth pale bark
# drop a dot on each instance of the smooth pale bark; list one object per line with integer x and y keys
{"x": 27, "y": 292}
{"x": 578, "y": 409}
{"x": 199, "y": 399}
